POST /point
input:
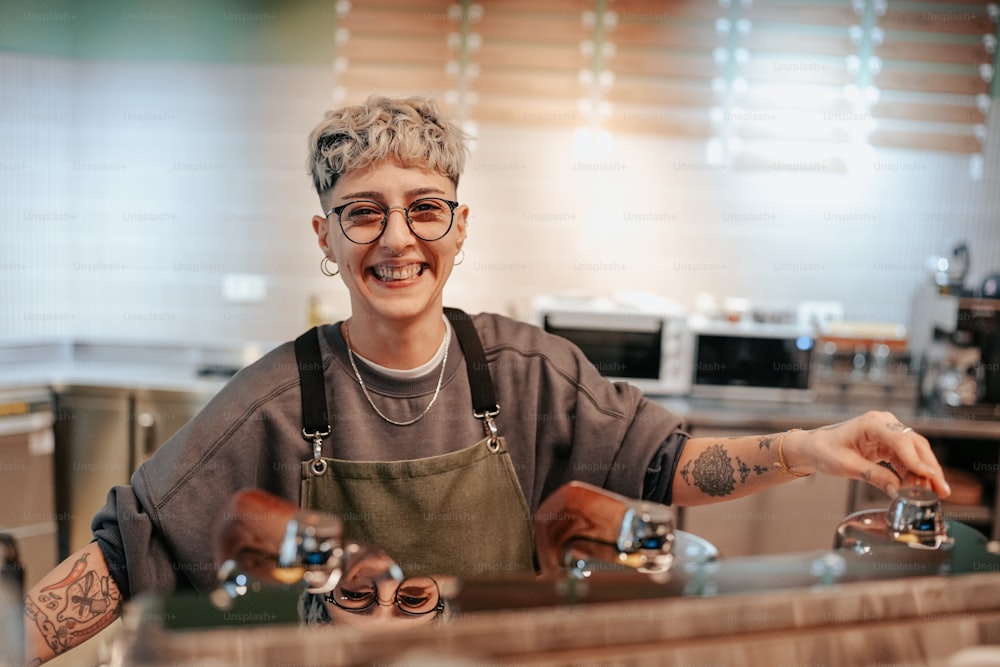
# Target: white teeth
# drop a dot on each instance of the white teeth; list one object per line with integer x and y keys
{"x": 389, "y": 272}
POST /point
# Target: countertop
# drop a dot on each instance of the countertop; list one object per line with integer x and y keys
{"x": 771, "y": 416}
{"x": 915, "y": 621}
{"x": 178, "y": 367}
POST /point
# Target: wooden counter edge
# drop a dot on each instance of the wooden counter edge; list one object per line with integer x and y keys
{"x": 923, "y": 618}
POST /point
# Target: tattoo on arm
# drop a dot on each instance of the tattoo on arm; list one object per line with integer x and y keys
{"x": 713, "y": 472}
{"x": 75, "y": 608}
{"x": 743, "y": 469}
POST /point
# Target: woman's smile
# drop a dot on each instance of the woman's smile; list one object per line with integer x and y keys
{"x": 392, "y": 272}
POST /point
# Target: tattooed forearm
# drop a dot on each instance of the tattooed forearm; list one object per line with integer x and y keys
{"x": 74, "y": 608}
{"x": 718, "y": 468}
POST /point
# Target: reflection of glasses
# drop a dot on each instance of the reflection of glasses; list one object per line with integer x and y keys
{"x": 414, "y": 597}
{"x": 364, "y": 221}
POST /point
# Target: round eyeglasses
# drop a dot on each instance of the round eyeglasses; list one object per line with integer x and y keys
{"x": 364, "y": 221}
{"x": 414, "y": 597}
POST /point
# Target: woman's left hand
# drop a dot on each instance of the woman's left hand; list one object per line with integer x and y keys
{"x": 860, "y": 448}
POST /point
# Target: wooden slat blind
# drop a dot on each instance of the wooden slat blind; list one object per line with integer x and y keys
{"x": 936, "y": 75}
{"x": 393, "y": 48}
{"x": 529, "y": 63}
{"x": 741, "y": 73}
{"x": 663, "y": 65}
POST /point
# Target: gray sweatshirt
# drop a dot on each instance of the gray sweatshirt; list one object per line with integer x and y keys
{"x": 561, "y": 419}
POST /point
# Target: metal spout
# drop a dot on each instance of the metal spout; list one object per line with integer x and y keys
{"x": 311, "y": 551}
{"x": 915, "y": 518}
{"x": 268, "y": 539}
{"x": 580, "y": 526}
{"x": 646, "y": 539}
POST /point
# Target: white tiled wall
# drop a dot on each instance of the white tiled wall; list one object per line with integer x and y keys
{"x": 128, "y": 190}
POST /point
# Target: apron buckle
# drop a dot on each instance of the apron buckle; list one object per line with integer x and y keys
{"x": 318, "y": 464}
{"x": 490, "y": 427}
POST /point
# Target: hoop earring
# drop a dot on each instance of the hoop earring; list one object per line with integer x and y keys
{"x": 325, "y": 269}
{"x": 460, "y": 257}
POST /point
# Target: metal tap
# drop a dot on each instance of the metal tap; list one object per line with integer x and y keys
{"x": 646, "y": 539}
{"x": 269, "y": 539}
{"x": 915, "y": 518}
{"x": 311, "y": 551}
{"x": 580, "y": 522}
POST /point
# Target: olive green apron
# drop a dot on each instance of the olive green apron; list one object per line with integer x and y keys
{"x": 460, "y": 513}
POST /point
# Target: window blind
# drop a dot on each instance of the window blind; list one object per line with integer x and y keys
{"x": 755, "y": 79}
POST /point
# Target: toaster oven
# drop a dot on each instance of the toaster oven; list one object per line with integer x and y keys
{"x": 632, "y": 337}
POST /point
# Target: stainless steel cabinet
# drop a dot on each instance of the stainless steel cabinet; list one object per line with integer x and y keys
{"x": 92, "y": 450}
{"x": 103, "y": 434}
{"x": 27, "y": 494}
{"x": 157, "y": 415}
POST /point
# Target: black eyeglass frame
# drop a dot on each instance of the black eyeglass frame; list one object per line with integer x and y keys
{"x": 375, "y": 601}
{"x": 386, "y": 210}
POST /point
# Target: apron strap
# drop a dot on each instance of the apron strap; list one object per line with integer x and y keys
{"x": 484, "y": 396}
{"x": 315, "y": 425}
{"x": 315, "y": 422}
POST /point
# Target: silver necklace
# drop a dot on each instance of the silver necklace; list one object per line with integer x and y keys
{"x": 364, "y": 389}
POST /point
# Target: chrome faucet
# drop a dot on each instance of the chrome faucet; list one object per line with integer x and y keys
{"x": 915, "y": 518}
{"x": 646, "y": 537}
{"x": 265, "y": 537}
{"x": 581, "y": 522}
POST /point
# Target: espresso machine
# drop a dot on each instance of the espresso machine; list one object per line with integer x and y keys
{"x": 956, "y": 339}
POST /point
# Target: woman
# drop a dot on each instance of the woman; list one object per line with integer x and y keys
{"x": 431, "y": 434}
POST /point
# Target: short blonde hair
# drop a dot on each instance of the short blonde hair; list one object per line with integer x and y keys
{"x": 411, "y": 130}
